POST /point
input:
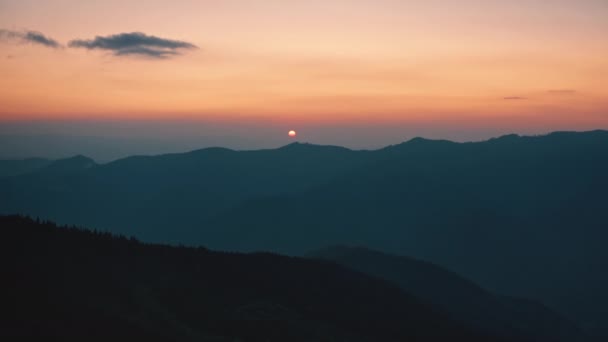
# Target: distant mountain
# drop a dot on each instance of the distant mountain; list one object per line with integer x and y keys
{"x": 70, "y": 284}
{"x": 152, "y": 191}
{"x": 17, "y": 167}
{"x": 519, "y": 319}
{"x": 63, "y": 169}
{"x": 69, "y": 165}
{"x": 523, "y": 216}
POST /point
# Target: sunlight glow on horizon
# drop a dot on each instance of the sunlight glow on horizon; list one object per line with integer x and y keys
{"x": 322, "y": 61}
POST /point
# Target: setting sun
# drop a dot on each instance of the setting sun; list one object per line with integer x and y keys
{"x": 292, "y": 134}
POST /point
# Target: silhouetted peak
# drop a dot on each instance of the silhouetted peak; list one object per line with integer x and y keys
{"x": 298, "y": 146}
{"x": 506, "y": 138}
{"x": 75, "y": 163}
{"x": 212, "y": 150}
{"x": 77, "y": 160}
{"x": 419, "y": 142}
{"x": 595, "y": 133}
{"x": 208, "y": 151}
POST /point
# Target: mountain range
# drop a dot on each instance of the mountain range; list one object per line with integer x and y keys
{"x": 521, "y": 216}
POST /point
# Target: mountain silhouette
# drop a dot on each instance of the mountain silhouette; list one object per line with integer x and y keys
{"x": 522, "y": 216}
{"x": 17, "y": 167}
{"x": 519, "y": 215}
{"x": 67, "y": 166}
{"x": 73, "y": 284}
{"x": 519, "y": 319}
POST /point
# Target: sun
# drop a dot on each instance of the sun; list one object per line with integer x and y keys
{"x": 292, "y": 134}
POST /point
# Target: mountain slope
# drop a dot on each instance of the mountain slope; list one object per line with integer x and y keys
{"x": 17, "y": 167}
{"x": 464, "y": 300}
{"x": 73, "y": 285}
{"x": 523, "y": 216}
{"x": 158, "y": 189}
{"x": 67, "y": 166}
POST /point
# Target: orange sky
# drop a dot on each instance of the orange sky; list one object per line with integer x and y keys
{"x": 314, "y": 61}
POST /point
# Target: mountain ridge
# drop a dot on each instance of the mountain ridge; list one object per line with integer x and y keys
{"x": 518, "y": 318}
{"x": 462, "y": 206}
{"x": 298, "y": 144}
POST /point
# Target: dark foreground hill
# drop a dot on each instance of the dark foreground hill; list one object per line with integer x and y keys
{"x": 79, "y": 285}
{"x": 516, "y": 318}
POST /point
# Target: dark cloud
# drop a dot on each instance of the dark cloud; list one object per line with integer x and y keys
{"x": 514, "y": 98}
{"x": 37, "y": 37}
{"x": 145, "y": 51}
{"x": 33, "y": 37}
{"x": 134, "y": 43}
{"x": 562, "y": 91}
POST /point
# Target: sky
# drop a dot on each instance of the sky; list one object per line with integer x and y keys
{"x": 361, "y": 73}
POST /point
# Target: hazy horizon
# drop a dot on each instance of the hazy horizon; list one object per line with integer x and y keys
{"x": 108, "y": 140}
{"x": 375, "y": 72}
{"x": 115, "y": 78}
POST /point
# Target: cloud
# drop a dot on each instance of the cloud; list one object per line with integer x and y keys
{"x": 145, "y": 51}
{"x": 562, "y": 91}
{"x": 33, "y": 37}
{"x": 513, "y": 98}
{"x": 134, "y": 43}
